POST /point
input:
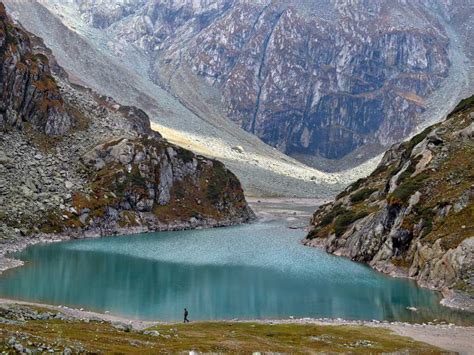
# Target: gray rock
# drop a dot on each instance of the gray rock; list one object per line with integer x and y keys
{"x": 26, "y": 191}
{"x": 4, "y": 159}
{"x": 18, "y": 347}
{"x": 122, "y": 326}
{"x": 238, "y": 149}
{"x": 154, "y": 333}
{"x": 463, "y": 200}
{"x": 467, "y": 132}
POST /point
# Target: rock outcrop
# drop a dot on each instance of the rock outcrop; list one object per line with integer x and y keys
{"x": 312, "y": 78}
{"x": 76, "y": 163}
{"x": 29, "y": 94}
{"x": 148, "y": 182}
{"x": 414, "y": 215}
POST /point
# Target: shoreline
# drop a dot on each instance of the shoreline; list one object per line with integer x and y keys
{"x": 450, "y": 298}
{"x": 294, "y": 210}
{"x": 446, "y": 336}
{"x": 259, "y": 206}
{"x": 435, "y": 334}
{"x": 20, "y": 243}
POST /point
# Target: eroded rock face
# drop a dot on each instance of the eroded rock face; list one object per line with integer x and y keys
{"x": 414, "y": 214}
{"x": 308, "y": 77}
{"x": 29, "y": 93}
{"x": 310, "y": 86}
{"x": 138, "y": 180}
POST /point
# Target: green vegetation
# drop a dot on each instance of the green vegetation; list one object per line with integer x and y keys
{"x": 11, "y": 37}
{"x": 133, "y": 181}
{"x": 185, "y": 155}
{"x": 345, "y": 220}
{"x": 362, "y": 195}
{"x": 128, "y": 219}
{"x": 409, "y": 171}
{"x": 328, "y": 218}
{"x": 41, "y": 57}
{"x": 401, "y": 262}
{"x": 112, "y": 143}
{"x": 215, "y": 337}
{"x": 52, "y": 223}
{"x": 450, "y": 230}
{"x": 407, "y": 153}
{"x": 466, "y": 103}
{"x": 427, "y": 214}
{"x": 342, "y": 218}
{"x": 80, "y": 121}
{"x": 41, "y": 140}
{"x": 412, "y": 143}
{"x": 406, "y": 189}
{"x": 217, "y": 182}
{"x": 355, "y": 186}
{"x": 442, "y": 215}
{"x": 379, "y": 170}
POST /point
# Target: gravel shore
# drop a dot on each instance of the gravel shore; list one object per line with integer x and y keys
{"x": 446, "y": 336}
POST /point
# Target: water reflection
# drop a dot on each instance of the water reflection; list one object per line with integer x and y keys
{"x": 103, "y": 277}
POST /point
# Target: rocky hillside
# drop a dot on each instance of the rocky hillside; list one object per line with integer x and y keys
{"x": 75, "y": 162}
{"x": 311, "y": 78}
{"x": 414, "y": 215}
{"x": 29, "y": 94}
{"x": 100, "y": 59}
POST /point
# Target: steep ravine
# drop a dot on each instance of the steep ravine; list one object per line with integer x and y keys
{"x": 75, "y": 163}
{"x": 414, "y": 215}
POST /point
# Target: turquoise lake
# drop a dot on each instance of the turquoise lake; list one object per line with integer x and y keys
{"x": 250, "y": 271}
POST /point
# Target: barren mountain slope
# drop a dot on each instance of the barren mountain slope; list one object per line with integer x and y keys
{"x": 319, "y": 80}
{"x": 90, "y": 57}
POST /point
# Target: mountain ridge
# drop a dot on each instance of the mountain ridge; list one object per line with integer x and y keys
{"x": 315, "y": 87}
{"x": 202, "y": 125}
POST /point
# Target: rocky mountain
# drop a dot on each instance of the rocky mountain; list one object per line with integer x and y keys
{"x": 414, "y": 215}
{"x": 29, "y": 94}
{"x": 318, "y": 80}
{"x": 95, "y": 58}
{"x": 75, "y": 162}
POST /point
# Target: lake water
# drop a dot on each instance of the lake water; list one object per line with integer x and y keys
{"x": 249, "y": 271}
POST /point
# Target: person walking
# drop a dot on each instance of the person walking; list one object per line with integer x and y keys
{"x": 186, "y": 313}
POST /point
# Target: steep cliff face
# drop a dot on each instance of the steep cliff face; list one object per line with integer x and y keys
{"x": 306, "y": 85}
{"x": 414, "y": 214}
{"x": 314, "y": 78}
{"x": 77, "y": 163}
{"x": 29, "y": 93}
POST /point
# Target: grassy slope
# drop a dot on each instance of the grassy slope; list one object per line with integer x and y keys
{"x": 210, "y": 337}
